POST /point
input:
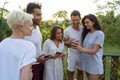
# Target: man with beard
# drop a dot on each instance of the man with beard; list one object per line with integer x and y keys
{"x": 37, "y": 68}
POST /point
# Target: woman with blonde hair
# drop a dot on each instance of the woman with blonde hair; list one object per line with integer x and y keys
{"x": 16, "y": 54}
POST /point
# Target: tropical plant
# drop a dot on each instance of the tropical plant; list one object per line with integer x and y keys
{"x": 108, "y": 6}
{"x": 110, "y": 20}
{"x": 4, "y": 29}
{"x": 3, "y": 11}
{"x": 62, "y": 15}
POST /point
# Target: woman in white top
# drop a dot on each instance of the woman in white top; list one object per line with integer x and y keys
{"x": 92, "y": 47}
{"x": 54, "y": 47}
{"x": 16, "y": 54}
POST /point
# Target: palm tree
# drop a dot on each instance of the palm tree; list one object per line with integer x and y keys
{"x": 3, "y": 11}
{"x": 62, "y": 14}
{"x": 4, "y": 29}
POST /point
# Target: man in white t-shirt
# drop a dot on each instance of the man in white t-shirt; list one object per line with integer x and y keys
{"x": 16, "y": 54}
{"x": 34, "y": 9}
{"x": 74, "y": 32}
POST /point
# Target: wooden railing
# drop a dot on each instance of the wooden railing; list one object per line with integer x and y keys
{"x": 113, "y": 66}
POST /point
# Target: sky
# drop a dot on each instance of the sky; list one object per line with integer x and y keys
{"x": 49, "y": 7}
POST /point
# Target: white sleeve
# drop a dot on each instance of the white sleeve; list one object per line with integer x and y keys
{"x": 29, "y": 56}
{"x": 65, "y": 35}
{"x": 45, "y": 47}
{"x": 63, "y": 48}
{"x": 64, "y": 51}
{"x": 100, "y": 39}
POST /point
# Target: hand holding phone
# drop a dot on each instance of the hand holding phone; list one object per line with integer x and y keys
{"x": 58, "y": 53}
{"x": 46, "y": 56}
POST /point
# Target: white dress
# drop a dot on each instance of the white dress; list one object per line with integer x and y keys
{"x": 53, "y": 67}
{"x": 93, "y": 63}
{"x": 14, "y": 55}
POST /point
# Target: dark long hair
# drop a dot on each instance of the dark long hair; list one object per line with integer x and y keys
{"x": 53, "y": 32}
{"x": 96, "y": 25}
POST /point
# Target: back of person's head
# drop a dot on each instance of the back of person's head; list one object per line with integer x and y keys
{"x": 31, "y": 6}
{"x": 75, "y": 13}
{"x": 16, "y": 18}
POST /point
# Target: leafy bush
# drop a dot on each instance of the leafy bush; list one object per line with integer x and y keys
{"x": 4, "y": 30}
{"x": 46, "y": 26}
{"x": 111, "y": 27}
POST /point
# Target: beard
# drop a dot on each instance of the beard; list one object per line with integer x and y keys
{"x": 35, "y": 22}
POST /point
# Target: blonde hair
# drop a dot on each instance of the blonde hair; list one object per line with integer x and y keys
{"x": 16, "y": 18}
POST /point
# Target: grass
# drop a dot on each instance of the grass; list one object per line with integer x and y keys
{"x": 108, "y": 49}
{"x": 111, "y": 49}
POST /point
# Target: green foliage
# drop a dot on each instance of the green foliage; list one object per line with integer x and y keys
{"x": 111, "y": 27}
{"x": 3, "y": 11}
{"x": 46, "y": 26}
{"x": 45, "y": 30}
{"x": 62, "y": 14}
{"x": 108, "y": 6}
{"x": 4, "y": 30}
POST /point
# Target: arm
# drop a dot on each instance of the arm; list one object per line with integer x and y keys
{"x": 67, "y": 42}
{"x": 46, "y": 50}
{"x": 66, "y": 38}
{"x": 98, "y": 43}
{"x": 62, "y": 55}
{"x": 42, "y": 58}
{"x": 26, "y": 63}
{"x": 63, "y": 51}
{"x": 93, "y": 51}
{"x": 90, "y": 51}
{"x": 26, "y": 73}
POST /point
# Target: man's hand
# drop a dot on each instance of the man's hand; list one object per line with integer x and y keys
{"x": 42, "y": 58}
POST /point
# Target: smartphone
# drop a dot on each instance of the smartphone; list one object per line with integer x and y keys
{"x": 58, "y": 52}
{"x": 46, "y": 56}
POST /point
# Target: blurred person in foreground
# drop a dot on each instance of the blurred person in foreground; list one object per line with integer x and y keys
{"x": 16, "y": 54}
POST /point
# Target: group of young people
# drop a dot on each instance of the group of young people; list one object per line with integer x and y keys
{"x": 23, "y": 59}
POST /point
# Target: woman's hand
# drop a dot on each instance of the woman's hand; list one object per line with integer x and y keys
{"x": 76, "y": 45}
{"x": 42, "y": 58}
{"x": 54, "y": 56}
{"x": 62, "y": 55}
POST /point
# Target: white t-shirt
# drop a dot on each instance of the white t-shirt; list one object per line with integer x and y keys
{"x": 93, "y": 63}
{"x": 36, "y": 39}
{"x": 53, "y": 67}
{"x": 70, "y": 34}
{"x": 14, "y": 55}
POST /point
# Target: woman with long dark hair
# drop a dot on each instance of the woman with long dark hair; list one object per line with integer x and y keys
{"x": 55, "y": 48}
{"x": 91, "y": 47}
